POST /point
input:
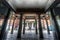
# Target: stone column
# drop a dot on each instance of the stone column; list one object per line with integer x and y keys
{"x": 13, "y": 24}
{"x": 36, "y": 25}
{"x": 47, "y": 26}
{"x": 40, "y": 27}
{"x": 20, "y": 27}
{"x": 27, "y": 24}
{"x": 3, "y": 33}
{"x": 24, "y": 27}
{"x": 32, "y": 24}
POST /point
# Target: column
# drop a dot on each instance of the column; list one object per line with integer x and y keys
{"x": 27, "y": 24}
{"x": 32, "y": 25}
{"x": 4, "y": 25}
{"x": 47, "y": 27}
{"x": 36, "y": 25}
{"x": 13, "y": 24}
{"x": 24, "y": 27}
{"x": 40, "y": 27}
{"x": 20, "y": 27}
{"x": 10, "y": 21}
{"x": 44, "y": 24}
{"x": 56, "y": 24}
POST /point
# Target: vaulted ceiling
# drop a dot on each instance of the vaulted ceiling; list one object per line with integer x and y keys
{"x": 30, "y": 3}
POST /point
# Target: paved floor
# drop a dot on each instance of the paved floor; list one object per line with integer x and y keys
{"x": 29, "y": 35}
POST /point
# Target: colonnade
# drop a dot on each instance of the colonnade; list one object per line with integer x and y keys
{"x": 39, "y": 22}
{"x": 20, "y": 25}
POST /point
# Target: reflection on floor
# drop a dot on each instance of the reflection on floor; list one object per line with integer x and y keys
{"x": 29, "y": 36}
{"x": 11, "y": 36}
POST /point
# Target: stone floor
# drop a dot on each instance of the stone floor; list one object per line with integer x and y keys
{"x": 29, "y": 35}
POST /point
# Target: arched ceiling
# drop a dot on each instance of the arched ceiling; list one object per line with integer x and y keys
{"x": 30, "y": 3}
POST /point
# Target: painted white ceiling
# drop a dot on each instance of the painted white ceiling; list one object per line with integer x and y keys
{"x": 30, "y": 3}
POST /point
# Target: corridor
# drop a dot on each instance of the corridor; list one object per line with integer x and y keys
{"x": 30, "y": 28}
{"x": 29, "y": 19}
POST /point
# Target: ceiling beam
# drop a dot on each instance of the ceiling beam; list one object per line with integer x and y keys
{"x": 30, "y": 10}
{"x": 7, "y": 5}
{"x": 55, "y": 3}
